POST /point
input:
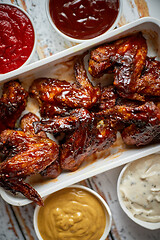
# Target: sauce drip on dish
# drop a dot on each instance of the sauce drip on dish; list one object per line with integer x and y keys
{"x": 83, "y": 19}
{"x": 16, "y": 38}
{"x": 72, "y": 213}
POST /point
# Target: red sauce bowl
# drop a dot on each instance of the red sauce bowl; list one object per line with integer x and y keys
{"x": 82, "y": 20}
{"x": 17, "y": 38}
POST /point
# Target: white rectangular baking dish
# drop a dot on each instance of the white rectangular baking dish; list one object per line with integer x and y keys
{"x": 53, "y": 66}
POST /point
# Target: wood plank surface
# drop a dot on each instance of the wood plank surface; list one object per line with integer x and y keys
{"x": 17, "y": 222}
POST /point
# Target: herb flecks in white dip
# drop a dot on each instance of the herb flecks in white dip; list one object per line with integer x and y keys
{"x": 140, "y": 188}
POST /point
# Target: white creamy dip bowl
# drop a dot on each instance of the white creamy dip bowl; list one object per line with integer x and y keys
{"x": 145, "y": 224}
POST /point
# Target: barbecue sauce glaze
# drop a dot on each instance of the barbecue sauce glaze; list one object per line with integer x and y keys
{"x": 83, "y": 19}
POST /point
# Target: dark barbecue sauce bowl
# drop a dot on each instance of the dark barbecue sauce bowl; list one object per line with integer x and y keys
{"x": 82, "y": 20}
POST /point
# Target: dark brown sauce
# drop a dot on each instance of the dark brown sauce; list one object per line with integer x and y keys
{"x": 83, "y": 19}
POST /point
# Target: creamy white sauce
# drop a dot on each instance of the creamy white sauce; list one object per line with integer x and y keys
{"x": 140, "y": 188}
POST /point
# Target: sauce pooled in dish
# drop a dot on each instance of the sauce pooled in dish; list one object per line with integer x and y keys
{"x": 83, "y": 19}
{"x": 16, "y": 38}
{"x": 140, "y": 188}
{"x": 72, "y": 214}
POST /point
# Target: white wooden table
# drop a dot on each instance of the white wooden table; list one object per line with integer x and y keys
{"x": 17, "y": 222}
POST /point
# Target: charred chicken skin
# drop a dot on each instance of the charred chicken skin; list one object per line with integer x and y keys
{"x": 107, "y": 99}
{"x": 139, "y": 124}
{"x": 147, "y": 113}
{"x": 135, "y": 75}
{"x": 86, "y": 134}
{"x": 68, "y": 123}
{"x": 12, "y": 104}
{"x": 104, "y": 58}
{"x": 57, "y": 97}
{"x": 145, "y": 125}
{"x": 88, "y": 116}
{"x": 147, "y": 85}
{"x": 84, "y": 141}
{"x": 26, "y": 123}
{"x": 149, "y": 82}
{"x": 140, "y": 136}
{"x": 24, "y": 155}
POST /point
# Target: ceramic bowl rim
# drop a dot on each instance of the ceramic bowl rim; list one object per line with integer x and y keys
{"x": 34, "y": 30}
{"x": 76, "y": 40}
{"x": 102, "y": 201}
{"x": 148, "y": 225}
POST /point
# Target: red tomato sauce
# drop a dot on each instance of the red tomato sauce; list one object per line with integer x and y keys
{"x": 16, "y": 38}
{"x": 83, "y": 19}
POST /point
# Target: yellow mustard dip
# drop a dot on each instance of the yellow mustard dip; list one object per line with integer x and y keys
{"x": 72, "y": 214}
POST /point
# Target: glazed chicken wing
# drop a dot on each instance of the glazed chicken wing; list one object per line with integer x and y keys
{"x": 144, "y": 125}
{"x": 24, "y": 155}
{"x": 84, "y": 141}
{"x": 136, "y": 76}
{"x": 26, "y": 123}
{"x": 107, "y": 99}
{"x": 12, "y": 104}
{"x": 127, "y": 57}
{"x": 85, "y": 135}
{"x": 148, "y": 113}
{"x": 53, "y": 170}
{"x": 45, "y": 91}
{"x": 70, "y": 122}
{"x": 88, "y": 116}
{"x": 149, "y": 82}
{"x": 147, "y": 85}
{"x": 139, "y": 136}
{"x": 131, "y": 50}
{"x": 57, "y": 97}
{"x": 139, "y": 123}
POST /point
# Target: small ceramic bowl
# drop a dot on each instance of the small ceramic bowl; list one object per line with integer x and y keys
{"x": 101, "y": 200}
{"x": 80, "y": 40}
{"x": 34, "y": 30}
{"x": 148, "y": 225}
